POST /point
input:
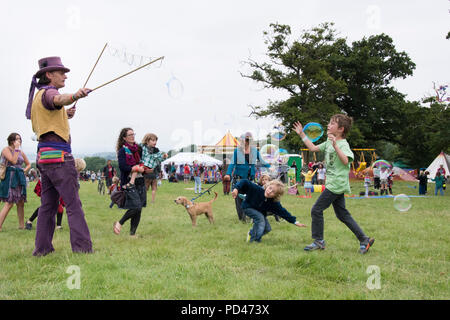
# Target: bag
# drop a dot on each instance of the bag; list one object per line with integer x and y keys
{"x": 3, "y": 167}
{"x": 118, "y": 198}
{"x": 132, "y": 199}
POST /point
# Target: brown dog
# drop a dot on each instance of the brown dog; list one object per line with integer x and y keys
{"x": 196, "y": 209}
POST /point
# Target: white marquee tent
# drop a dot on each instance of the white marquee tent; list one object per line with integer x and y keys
{"x": 189, "y": 157}
{"x": 441, "y": 159}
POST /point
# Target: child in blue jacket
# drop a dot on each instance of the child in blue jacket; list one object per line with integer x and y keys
{"x": 258, "y": 202}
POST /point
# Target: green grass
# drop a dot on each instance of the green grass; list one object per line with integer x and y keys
{"x": 172, "y": 260}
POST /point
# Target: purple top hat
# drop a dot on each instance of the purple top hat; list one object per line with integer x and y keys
{"x": 50, "y": 64}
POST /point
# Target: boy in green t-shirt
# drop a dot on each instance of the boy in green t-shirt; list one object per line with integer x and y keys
{"x": 338, "y": 157}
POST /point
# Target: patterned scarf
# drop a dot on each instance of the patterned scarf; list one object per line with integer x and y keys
{"x": 132, "y": 154}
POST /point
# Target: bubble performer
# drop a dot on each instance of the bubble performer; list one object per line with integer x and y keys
{"x": 55, "y": 161}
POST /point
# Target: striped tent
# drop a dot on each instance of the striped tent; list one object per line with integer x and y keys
{"x": 228, "y": 141}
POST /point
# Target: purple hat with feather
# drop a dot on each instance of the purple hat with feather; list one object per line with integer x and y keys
{"x": 48, "y": 64}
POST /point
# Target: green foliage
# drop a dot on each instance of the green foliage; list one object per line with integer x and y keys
{"x": 426, "y": 133}
{"x": 189, "y": 148}
{"x": 298, "y": 69}
{"x": 97, "y": 163}
{"x": 323, "y": 75}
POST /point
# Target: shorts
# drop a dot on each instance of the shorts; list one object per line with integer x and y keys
{"x": 308, "y": 185}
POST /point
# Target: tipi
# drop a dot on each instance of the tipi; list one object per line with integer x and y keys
{"x": 442, "y": 159}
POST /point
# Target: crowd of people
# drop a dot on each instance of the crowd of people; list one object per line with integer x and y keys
{"x": 188, "y": 172}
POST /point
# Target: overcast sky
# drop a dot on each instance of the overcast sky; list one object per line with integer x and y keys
{"x": 204, "y": 44}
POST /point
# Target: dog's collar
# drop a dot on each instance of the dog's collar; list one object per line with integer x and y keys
{"x": 187, "y": 206}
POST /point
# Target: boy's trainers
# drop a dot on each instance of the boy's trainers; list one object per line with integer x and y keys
{"x": 248, "y": 236}
{"x": 365, "y": 246}
{"x": 28, "y": 225}
{"x": 316, "y": 245}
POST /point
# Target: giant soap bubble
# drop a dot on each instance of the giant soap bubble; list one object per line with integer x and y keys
{"x": 269, "y": 153}
{"x": 313, "y": 131}
{"x": 175, "y": 88}
{"x": 402, "y": 202}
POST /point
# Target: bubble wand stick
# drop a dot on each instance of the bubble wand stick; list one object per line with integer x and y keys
{"x": 101, "y": 53}
{"x": 95, "y": 65}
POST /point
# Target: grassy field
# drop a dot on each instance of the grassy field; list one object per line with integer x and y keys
{"x": 172, "y": 260}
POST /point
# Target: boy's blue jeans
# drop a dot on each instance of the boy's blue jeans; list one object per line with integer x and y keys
{"x": 326, "y": 199}
{"x": 261, "y": 225}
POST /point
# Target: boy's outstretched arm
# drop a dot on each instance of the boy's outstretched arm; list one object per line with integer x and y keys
{"x": 286, "y": 215}
{"x": 299, "y": 129}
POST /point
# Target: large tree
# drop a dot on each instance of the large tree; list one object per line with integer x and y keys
{"x": 426, "y": 132}
{"x": 323, "y": 75}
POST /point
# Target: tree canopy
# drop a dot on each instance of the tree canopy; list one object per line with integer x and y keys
{"x": 323, "y": 75}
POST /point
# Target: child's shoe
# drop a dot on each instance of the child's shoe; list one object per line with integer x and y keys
{"x": 365, "y": 246}
{"x": 248, "y": 236}
{"x": 316, "y": 245}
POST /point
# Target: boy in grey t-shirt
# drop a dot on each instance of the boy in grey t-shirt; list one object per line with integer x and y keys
{"x": 338, "y": 157}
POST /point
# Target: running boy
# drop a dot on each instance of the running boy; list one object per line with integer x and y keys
{"x": 338, "y": 157}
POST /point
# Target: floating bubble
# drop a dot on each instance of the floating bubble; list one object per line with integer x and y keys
{"x": 313, "y": 131}
{"x": 382, "y": 164}
{"x": 402, "y": 202}
{"x": 270, "y": 153}
{"x": 34, "y": 137}
{"x": 277, "y": 134}
{"x": 175, "y": 88}
{"x": 273, "y": 172}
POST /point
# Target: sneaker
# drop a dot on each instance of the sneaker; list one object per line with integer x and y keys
{"x": 316, "y": 245}
{"x": 58, "y": 227}
{"x": 365, "y": 246}
{"x": 28, "y": 225}
{"x": 248, "y": 236}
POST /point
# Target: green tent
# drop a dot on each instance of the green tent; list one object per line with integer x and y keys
{"x": 291, "y": 158}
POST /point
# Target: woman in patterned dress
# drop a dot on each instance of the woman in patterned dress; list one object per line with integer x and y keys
{"x": 13, "y": 188}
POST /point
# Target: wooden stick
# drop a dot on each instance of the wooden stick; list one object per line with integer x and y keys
{"x": 95, "y": 65}
{"x": 127, "y": 74}
{"x": 101, "y": 53}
